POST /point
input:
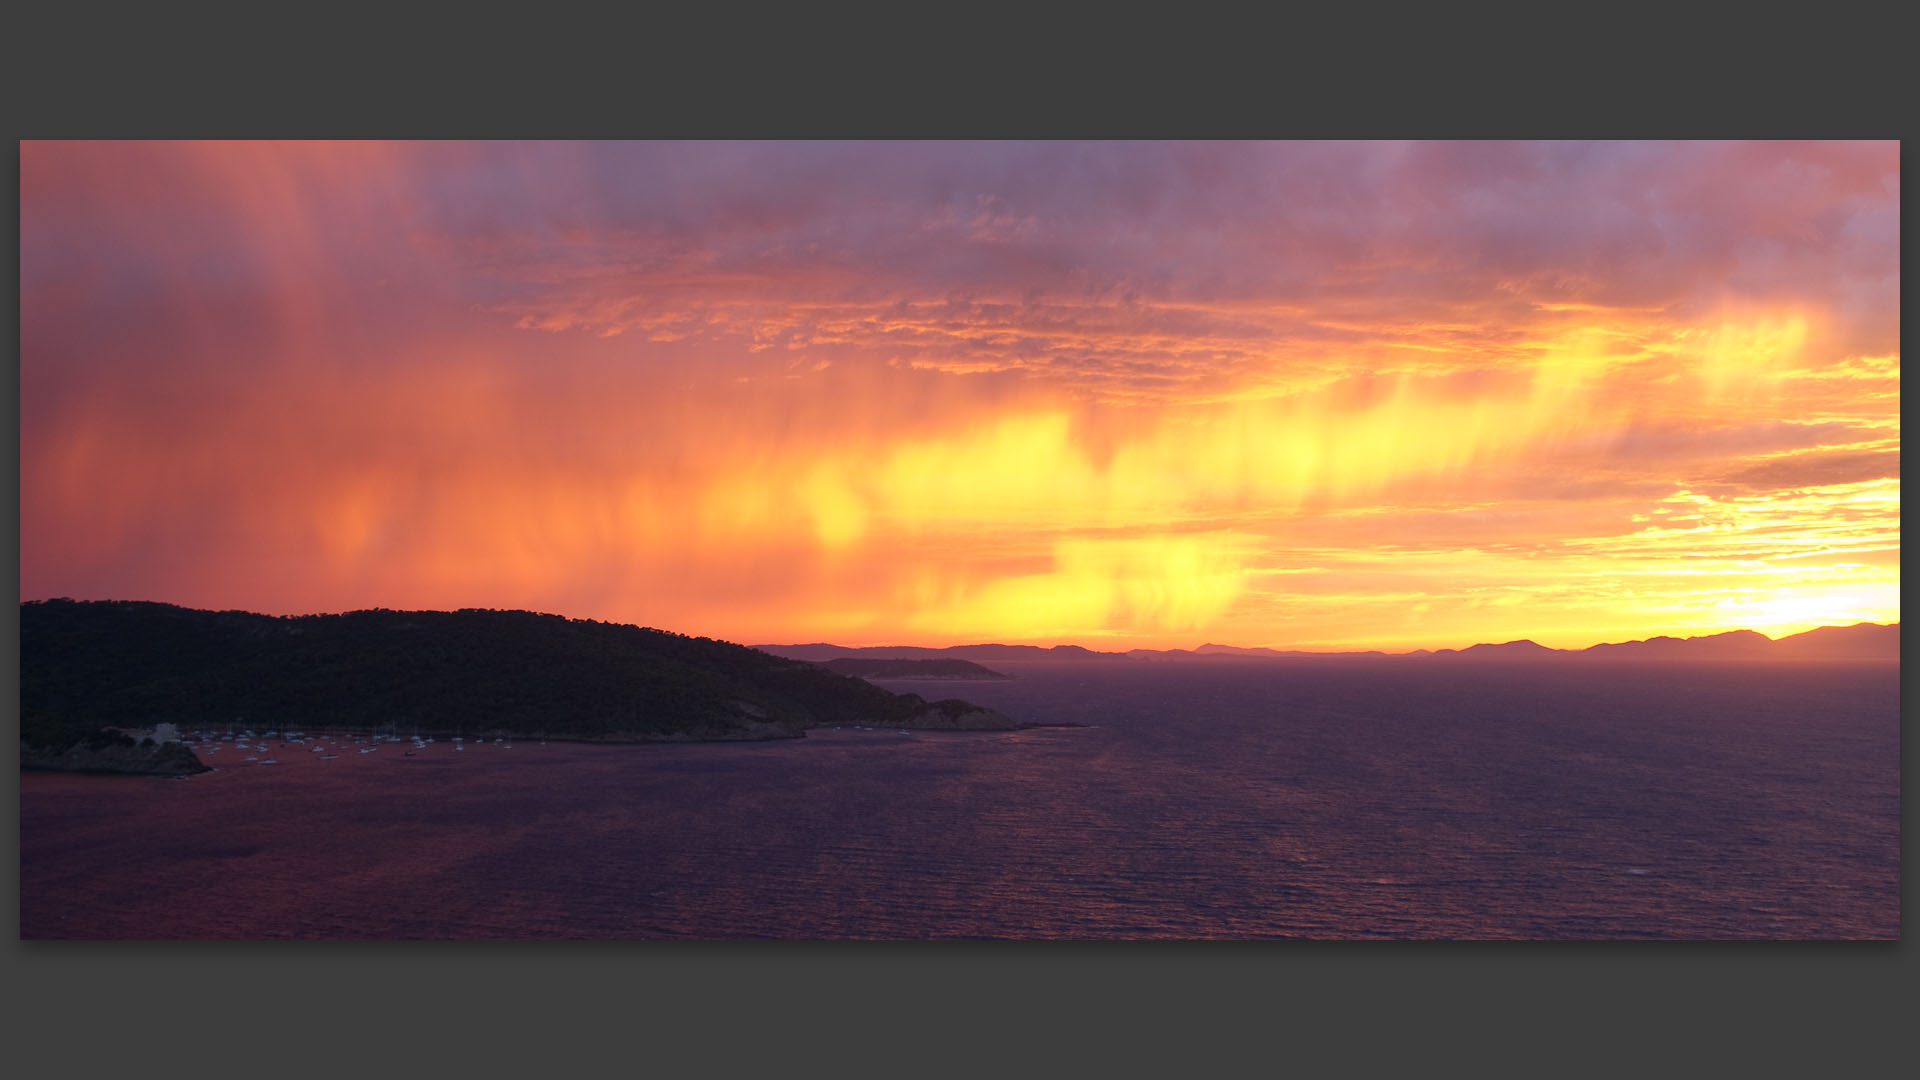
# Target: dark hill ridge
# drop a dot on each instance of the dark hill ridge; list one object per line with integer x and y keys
{"x": 89, "y": 665}
{"x": 1838, "y": 642}
{"x": 1861, "y": 641}
{"x": 1508, "y": 650}
{"x": 1734, "y": 644}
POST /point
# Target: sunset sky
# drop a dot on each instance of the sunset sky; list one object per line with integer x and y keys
{"x": 1321, "y": 395}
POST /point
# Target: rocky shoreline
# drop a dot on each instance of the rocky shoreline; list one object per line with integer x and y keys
{"x": 139, "y": 759}
{"x": 147, "y": 758}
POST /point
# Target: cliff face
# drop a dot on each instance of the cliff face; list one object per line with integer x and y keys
{"x": 163, "y": 759}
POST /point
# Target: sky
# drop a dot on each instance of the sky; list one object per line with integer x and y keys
{"x": 1297, "y": 395}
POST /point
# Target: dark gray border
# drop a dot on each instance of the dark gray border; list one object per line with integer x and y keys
{"x": 1199, "y": 1009}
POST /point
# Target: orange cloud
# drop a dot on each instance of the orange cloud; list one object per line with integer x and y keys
{"x": 895, "y": 393}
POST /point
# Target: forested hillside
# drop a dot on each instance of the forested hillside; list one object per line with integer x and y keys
{"x": 88, "y": 665}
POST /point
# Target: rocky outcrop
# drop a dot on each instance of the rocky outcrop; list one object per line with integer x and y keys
{"x": 145, "y": 758}
{"x": 955, "y": 715}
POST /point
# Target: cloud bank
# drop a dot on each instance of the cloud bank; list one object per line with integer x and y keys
{"x": 1389, "y": 395}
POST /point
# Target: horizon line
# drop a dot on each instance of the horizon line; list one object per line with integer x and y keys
{"x": 1191, "y": 649}
{"x": 1287, "y": 651}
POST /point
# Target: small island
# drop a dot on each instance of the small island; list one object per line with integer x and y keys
{"x": 92, "y": 671}
{"x": 873, "y": 668}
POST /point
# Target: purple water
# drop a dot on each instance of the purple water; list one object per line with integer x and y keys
{"x": 1214, "y": 800}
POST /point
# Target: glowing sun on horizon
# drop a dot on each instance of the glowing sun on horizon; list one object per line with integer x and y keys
{"x": 1792, "y": 612}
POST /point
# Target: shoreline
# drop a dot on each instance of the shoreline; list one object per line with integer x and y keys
{"x": 158, "y": 760}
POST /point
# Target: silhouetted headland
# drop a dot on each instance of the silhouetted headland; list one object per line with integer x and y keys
{"x": 90, "y": 666}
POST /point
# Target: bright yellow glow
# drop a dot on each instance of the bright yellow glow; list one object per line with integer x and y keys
{"x": 1177, "y": 582}
{"x": 1789, "y": 610}
{"x": 1744, "y": 355}
{"x": 838, "y": 518}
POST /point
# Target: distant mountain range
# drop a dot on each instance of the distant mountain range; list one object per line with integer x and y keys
{"x": 1861, "y": 641}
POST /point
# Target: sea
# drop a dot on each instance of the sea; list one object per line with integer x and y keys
{"x": 1393, "y": 798}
